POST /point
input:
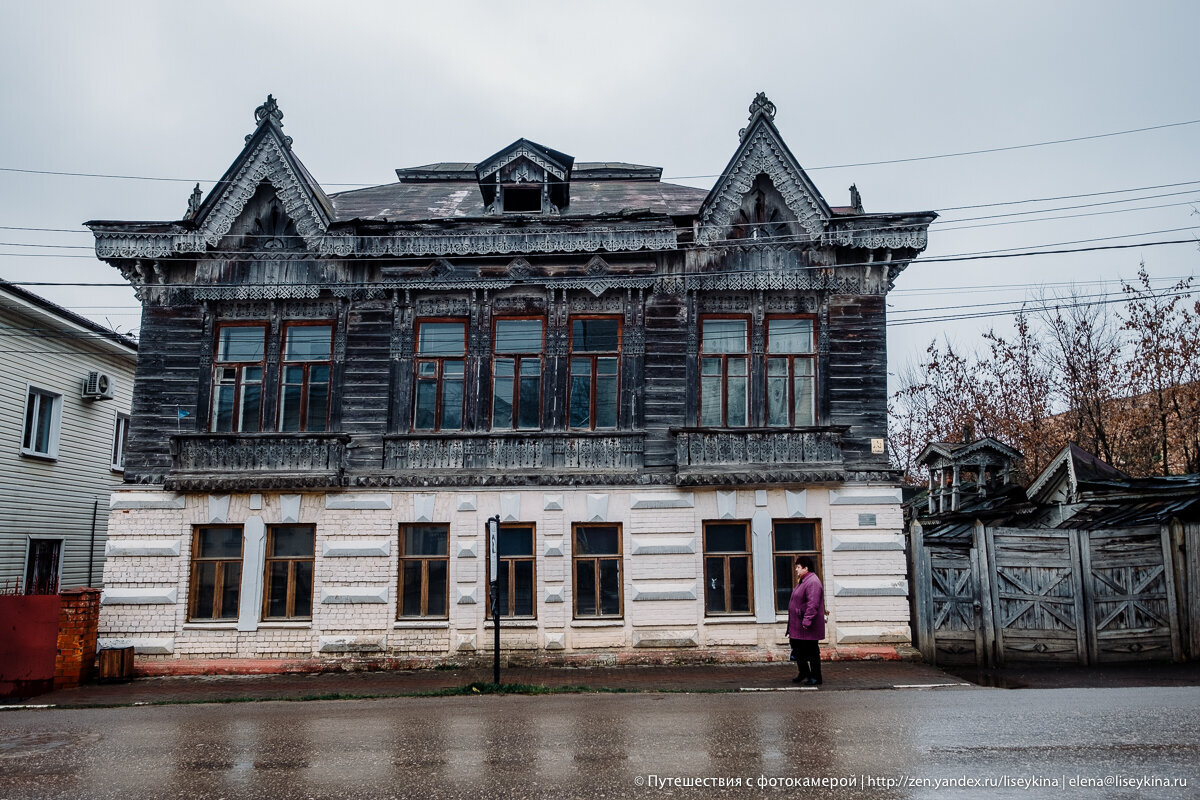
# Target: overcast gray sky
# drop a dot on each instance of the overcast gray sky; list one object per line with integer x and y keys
{"x": 168, "y": 90}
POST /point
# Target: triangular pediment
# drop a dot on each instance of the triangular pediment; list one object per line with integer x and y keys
{"x": 762, "y": 176}
{"x": 266, "y": 166}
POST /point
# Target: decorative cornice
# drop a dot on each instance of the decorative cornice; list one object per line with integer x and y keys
{"x": 907, "y": 236}
{"x": 509, "y": 156}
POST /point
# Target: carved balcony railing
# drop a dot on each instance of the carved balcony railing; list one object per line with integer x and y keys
{"x": 205, "y": 461}
{"x": 811, "y": 453}
{"x": 511, "y": 456}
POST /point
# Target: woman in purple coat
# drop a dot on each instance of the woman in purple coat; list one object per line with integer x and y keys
{"x": 806, "y": 622}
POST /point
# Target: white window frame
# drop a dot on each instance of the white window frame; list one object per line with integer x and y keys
{"x": 120, "y": 439}
{"x": 41, "y": 395}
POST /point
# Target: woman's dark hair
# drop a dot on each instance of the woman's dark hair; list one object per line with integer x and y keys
{"x": 808, "y": 562}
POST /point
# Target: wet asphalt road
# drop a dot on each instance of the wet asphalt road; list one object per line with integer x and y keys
{"x": 607, "y": 746}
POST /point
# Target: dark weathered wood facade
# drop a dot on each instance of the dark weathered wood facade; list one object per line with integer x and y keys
{"x": 267, "y": 245}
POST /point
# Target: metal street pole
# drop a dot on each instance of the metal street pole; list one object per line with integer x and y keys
{"x": 493, "y": 528}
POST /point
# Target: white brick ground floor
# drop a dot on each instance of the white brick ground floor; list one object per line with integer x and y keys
{"x": 356, "y": 609}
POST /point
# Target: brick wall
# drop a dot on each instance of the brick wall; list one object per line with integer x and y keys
{"x": 78, "y": 620}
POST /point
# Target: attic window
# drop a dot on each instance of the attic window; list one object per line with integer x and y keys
{"x": 522, "y": 199}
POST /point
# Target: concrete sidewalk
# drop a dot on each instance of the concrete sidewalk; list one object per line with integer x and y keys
{"x": 838, "y": 675}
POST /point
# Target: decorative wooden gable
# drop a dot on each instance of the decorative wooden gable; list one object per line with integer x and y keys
{"x": 266, "y": 199}
{"x": 763, "y": 193}
{"x": 525, "y": 178}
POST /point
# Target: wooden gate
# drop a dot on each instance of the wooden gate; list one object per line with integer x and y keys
{"x": 1049, "y": 595}
{"x": 1036, "y": 600}
{"x": 954, "y": 610}
{"x": 1130, "y": 596}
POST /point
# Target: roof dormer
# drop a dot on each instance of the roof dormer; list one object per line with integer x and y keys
{"x": 525, "y": 178}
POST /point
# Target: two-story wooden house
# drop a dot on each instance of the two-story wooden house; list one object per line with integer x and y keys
{"x": 665, "y": 393}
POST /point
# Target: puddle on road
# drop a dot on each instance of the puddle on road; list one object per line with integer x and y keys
{"x": 18, "y": 745}
{"x": 991, "y": 680}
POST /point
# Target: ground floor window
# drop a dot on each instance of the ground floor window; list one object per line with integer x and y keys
{"x": 289, "y": 581}
{"x": 518, "y": 571}
{"x": 596, "y": 555}
{"x": 424, "y": 571}
{"x": 790, "y": 540}
{"x": 728, "y": 580}
{"x": 42, "y": 566}
{"x": 216, "y": 573}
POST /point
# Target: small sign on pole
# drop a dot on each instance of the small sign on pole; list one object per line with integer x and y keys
{"x": 493, "y": 529}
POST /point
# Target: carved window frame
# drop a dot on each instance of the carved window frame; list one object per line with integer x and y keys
{"x": 509, "y": 566}
{"x": 439, "y": 376}
{"x": 423, "y": 562}
{"x": 594, "y": 563}
{"x": 725, "y": 560}
{"x": 237, "y": 379}
{"x": 306, "y": 383}
{"x": 793, "y": 362}
{"x": 519, "y": 359}
{"x": 724, "y": 360}
{"x": 295, "y": 565}
{"x": 222, "y": 566}
{"x": 783, "y": 560}
{"x": 594, "y": 356}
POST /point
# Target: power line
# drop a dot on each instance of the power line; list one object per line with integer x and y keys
{"x": 677, "y": 177}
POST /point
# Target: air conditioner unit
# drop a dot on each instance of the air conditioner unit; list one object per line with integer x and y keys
{"x": 97, "y": 386}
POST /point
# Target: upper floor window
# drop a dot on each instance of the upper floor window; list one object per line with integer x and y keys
{"x": 517, "y": 374}
{"x": 724, "y": 372}
{"x": 237, "y": 378}
{"x": 595, "y": 354}
{"x": 522, "y": 198}
{"x": 43, "y": 416}
{"x": 441, "y": 369}
{"x": 791, "y": 373}
{"x": 120, "y": 440}
{"x": 305, "y": 374}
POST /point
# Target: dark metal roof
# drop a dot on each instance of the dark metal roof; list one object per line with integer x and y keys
{"x": 411, "y": 200}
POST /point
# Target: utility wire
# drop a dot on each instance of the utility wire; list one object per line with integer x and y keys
{"x": 678, "y": 177}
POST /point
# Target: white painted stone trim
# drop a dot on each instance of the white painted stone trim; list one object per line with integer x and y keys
{"x": 760, "y": 498}
{"x": 256, "y": 502}
{"x": 873, "y": 543}
{"x": 466, "y": 642}
{"x": 663, "y": 500}
{"x": 142, "y": 596}
{"x": 865, "y": 496}
{"x": 351, "y": 644}
{"x": 665, "y": 638}
{"x": 872, "y": 634}
{"x": 870, "y": 587}
{"x": 797, "y": 502}
{"x": 218, "y": 509}
{"x": 423, "y": 507}
{"x": 467, "y": 595}
{"x": 726, "y": 504}
{"x": 131, "y": 500}
{"x": 658, "y": 545}
{"x": 554, "y": 547}
{"x": 354, "y": 594}
{"x": 354, "y": 501}
{"x": 554, "y": 594}
{"x": 762, "y": 556}
{"x": 466, "y": 502}
{"x": 556, "y": 641}
{"x": 353, "y": 548}
{"x": 156, "y": 647}
{"x": 659, "y": 590}
{"x": 597, "y": 508}
{"x": 421, "y": 625}
{"x": 254, "y": 555}
{"x": 552, "y": 502}
{"x": 466, "y": 549}
{"x": 141, "y": 547}
{"x": 289, "y": 508}
{"x": 510, "y": 507}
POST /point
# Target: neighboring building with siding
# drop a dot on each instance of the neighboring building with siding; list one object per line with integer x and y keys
{"x": 665, "y": 393}
{"x": 60, "y": 441}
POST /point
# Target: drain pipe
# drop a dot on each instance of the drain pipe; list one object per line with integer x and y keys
{"x": 92, "y": 548}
